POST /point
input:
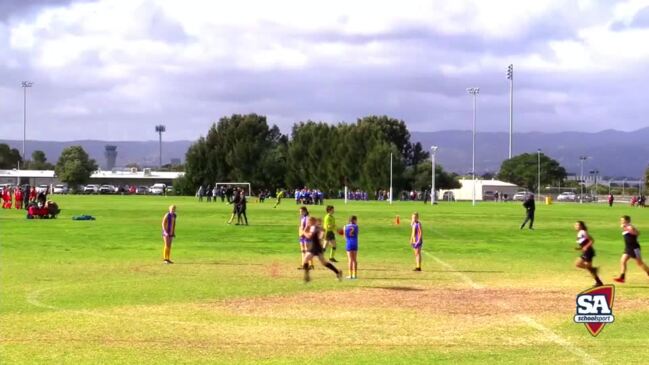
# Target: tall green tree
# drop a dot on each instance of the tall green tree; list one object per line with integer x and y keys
{"x": 522, "y": 170}
{"x": 237, "y": 148}
{"x": 39, "y": 161}
{"x": 9, "y": 157}
{"x": 74, "y": 167}
{"x": 443, "y": 179}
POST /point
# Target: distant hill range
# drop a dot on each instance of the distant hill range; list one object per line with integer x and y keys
{"x": 613, "y": 153}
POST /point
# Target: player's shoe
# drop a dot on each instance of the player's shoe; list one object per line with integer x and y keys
{"x": 619, "y": 280}
{"x": 333, "y": 260}
{"x": 349, "y": 277}
{"x": 166, "y": 262}
{"x": 339, "y": 275}
{"x": 417, "y": 269}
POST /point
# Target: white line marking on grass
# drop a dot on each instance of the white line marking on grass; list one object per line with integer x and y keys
{"x": 549, "y": 334}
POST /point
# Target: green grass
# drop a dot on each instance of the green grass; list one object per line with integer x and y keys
{"x": 95, "y": 292}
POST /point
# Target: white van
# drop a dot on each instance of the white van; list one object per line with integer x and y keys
{"x": 158, "y": 189}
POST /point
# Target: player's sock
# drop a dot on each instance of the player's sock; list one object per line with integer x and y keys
{"x": 331, "y": 267}
{"x": 332, "y": 253}
{"x": 622, "y": 275}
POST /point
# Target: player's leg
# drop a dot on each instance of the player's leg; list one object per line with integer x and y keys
{"x": 350, "y": 265}
{"x": 527, "y": 218}
{"x": 166, "y": 250}
{"x": 354, "y": 263}
{"x": 531, "y": 221}
{"x": 625, "y": 258}
{"x": 417, "y": 251}
{"x": 305, "y": 266}
{"x": 330, "y": 266}
{"x": 640, "y": 262}
{"x": 588, "y": 265}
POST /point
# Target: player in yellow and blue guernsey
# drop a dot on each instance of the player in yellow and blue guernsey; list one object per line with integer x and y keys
{"x": 351, "y": 238}
{"x": 168, "y": 233}
{"x": 416, "y": 240}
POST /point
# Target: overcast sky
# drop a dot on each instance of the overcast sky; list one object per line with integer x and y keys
{"x": 113, "y": 69}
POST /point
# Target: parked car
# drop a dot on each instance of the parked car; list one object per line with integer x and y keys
{"x": 489, "y": 195}
{"x": 107, "y": 189}
{"x": 142, "y": 190}
{"x": 448, "y": 196}
{"x": 60, "y": 189}
{"x": 587, "y": 198}
{"x": 91, "y": 189}
{"x": 43, "y": 188}
{"x": 521, "y": 195}
{"x": 158, "y": 189}
{"x": 567, "y": 196}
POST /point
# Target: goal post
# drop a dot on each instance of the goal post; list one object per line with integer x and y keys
{"x": 246, "y": 186}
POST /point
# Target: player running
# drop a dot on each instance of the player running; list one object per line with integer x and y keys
{"x": 168, "y": 233}
{"x": 585, "y": 261}
{"x": 416, "y": 240}
{"x": 351, "y": 236}
{"x": 330, "y": 232}
{"x": 313, "y": 234}
{"x": 631, "y": 248}
{"x": 280, "y": 195}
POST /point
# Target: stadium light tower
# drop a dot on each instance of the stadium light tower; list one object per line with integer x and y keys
{"x": 538, "y": 174}
{"x": 25, "y": 85}
{"x": 583, "y": 182}
{"x": 473, "y": 91}
{"x": 159, "y": 129}
{"x": 433, "y": 151}
{"x": 510, "y": 77}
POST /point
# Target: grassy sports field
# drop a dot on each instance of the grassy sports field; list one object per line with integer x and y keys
{"x": 96, "y": 292}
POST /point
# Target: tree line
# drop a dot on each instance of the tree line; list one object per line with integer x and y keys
{"x": 245, "y": 148}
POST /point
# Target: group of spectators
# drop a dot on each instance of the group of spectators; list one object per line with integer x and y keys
{"x": 33, "y": 201}
{"x": 638, "y": 201}
{"x": 306, "y": 196}
{"x": 211, "y": 194}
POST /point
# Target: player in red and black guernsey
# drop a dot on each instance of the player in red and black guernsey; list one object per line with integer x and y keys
{"x": 631, "y": 248}
{"x": 168, "y": 233}
{"x": 314, "y": 234}
{"x": 351, "y": 238}
{"x": 585, "y": 260}
{"x": 416, "y": 240}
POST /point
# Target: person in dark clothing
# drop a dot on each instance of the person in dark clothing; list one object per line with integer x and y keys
{"x": 241, "y": 210}
{"x": 235, "y": 205}
{"x": 530, "y": 207}
{"x": 208, "y": 193}
{"x": 611, "y": 199}
{"x": 313, "y": 233}
{"x": 26, "y": 197}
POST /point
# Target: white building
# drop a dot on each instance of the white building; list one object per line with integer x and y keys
{"x": 114, "y": 177}
{"x": 484, "y": 190}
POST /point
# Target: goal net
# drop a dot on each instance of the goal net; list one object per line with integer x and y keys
{"x": 231, "y": 185}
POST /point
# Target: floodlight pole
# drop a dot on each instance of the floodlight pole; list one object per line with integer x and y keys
{"x": 473, "y": 91}
{"x": 583, "y": 182}
{"x": 538, "y": 174}
{"x": 433, "y": 151}
{"x": 25, "y": 85}
{"x": 510, "y": 77}
{"x": 390, "y": 178}
{"x": 159, "y": 129}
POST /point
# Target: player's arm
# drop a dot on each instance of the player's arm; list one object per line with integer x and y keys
{"x": 164, "y": 224}
{"x": 589, "y": 244}
{"x": 631, "y": 229}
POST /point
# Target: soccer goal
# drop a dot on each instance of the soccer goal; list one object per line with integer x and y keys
{"x": 244, "y": 185}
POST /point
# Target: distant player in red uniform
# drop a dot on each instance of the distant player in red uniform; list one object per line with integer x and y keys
{"x": 6, "y": 198}
{"x": 631, "y": 248}
{"x": 32, "y": 194}
{"x": 18, "y": 198}
{"x": 585, "y": 260}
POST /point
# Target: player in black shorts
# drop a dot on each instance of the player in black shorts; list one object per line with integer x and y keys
{"x": 585, "y": 242}
{"x": 314, "y": 233}
{"x": 631, "y": 248}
